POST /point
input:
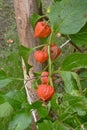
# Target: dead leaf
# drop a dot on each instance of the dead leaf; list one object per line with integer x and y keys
{"x": 58, "y": 34}
{"x": 9, "y": 41}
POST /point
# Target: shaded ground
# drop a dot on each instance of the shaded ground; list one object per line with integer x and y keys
{"x": 7, "y": 26}
{"x": 8, "y": 29}
{"x": 6, "y": 16}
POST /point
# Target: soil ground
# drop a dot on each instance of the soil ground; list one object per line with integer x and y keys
{"x": 7, "y": 29}
{"x": 6, "y": 17}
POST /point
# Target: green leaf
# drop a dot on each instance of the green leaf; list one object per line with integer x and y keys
{"x": 13, "y": 66}
{"x": 74, "y": 61}
{"x": 5, "y": 110}
{"x": 76, "y": 104}
{"x": 25, "y": 52}
{"x": 68, "y": 16}
{"x": 80, "y": 38}
{"x": 43, "y": 112}
{"x": 45, "y": 125}
{"x": 16, "y": 98}
{"x": 54, "y": 102}
{"x": 83, "y": 78}
{"x": 82, "y": 126}
{"x": 76, "y": 77}
{"x": 2, "y": 75}
{"x": 4, "y": 80}
{"x": 36, "y": 105}
{"x": 71, "y": 107}
{"x": 67, "y": 77}
{"x": 2, "y": 99}
{"x": 61, "y": 126}
{"x": 16, "y": 95}
{"x": 34, "y": 18}
{"x": 20, "y": 122}
{"x": 71, "y": 85}
{"x": 83, "y": 74}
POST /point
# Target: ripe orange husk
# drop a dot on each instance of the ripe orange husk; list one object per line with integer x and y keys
{"x": 45, "y": 77}
{"x": 45, "y": 92}
{"x": 42, "y": 30}
{"x": 54, "y": 51}
{"x": 40, "y": 56}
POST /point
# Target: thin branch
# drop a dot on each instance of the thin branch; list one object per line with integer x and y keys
{"x": 76, "y": 47}
{"x": 65, "y": 43}
{"x": 33, "y": 78}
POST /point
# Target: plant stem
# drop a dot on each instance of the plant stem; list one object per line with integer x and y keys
{"x": 75, "y": 46}
{"x": 33, "y": 78}
{"x": 57, "y": 71}
{"x": 77, "y": 120}
{"x": 49, "y": 61}
{"x": 45, "y": 68}
{"x": 17, "y": 79}
{"x": 38, "y": 46}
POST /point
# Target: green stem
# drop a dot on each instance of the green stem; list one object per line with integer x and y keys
{"x": 45, "y": 68}
{"x": 17, "y": 79}
{"x": 49, "y": 61}
{"x": 78, "y": 120}
{"x": 38, "y": 46}
{"x": 57, "y": 71}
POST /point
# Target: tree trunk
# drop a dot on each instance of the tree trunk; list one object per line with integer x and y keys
{"x": 23, "y": 10}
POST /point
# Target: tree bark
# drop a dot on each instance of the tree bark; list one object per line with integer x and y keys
{"x": 23, "y": 10}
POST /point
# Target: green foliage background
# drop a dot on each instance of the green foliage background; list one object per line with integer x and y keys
{"x": 70, "y": 105}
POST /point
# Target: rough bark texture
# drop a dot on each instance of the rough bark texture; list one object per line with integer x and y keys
{"x": 23, "y": 10}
